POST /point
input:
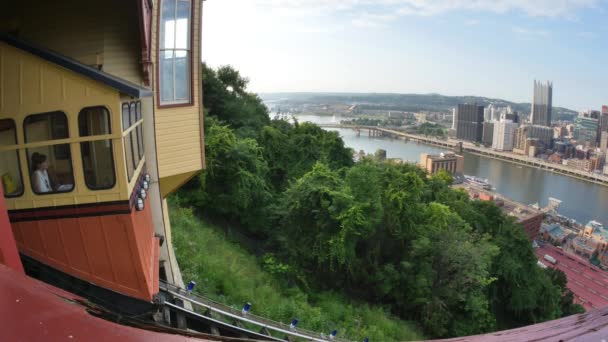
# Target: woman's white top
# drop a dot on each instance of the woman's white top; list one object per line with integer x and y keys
{"x": 40, "y": 181}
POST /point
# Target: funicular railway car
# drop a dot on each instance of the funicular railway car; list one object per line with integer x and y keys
{"x": 100, "y": 120}
{"x": 74, "y": 170}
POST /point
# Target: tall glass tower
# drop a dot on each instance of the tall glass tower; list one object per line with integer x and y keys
{"x": 542, "y": 103}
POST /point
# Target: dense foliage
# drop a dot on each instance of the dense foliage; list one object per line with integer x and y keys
{"x": 384, "y": 233}
{"x": 432, "y": 129}
{"x": 227, "y": 273}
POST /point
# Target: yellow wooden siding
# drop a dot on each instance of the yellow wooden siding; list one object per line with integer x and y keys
{"x": 91, "y": 31}
{"x": 122, "y": 53}
{"x": 30, "y": 85}
{"x": 170, "y": 184}
{"x": 178, "y": 133}
{"x": 72, "y": 28}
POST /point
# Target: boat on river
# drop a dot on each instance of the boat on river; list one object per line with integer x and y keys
{"x": 478, "y": 181}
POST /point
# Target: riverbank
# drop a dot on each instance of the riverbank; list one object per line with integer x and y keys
{"x": 461, "y": 146}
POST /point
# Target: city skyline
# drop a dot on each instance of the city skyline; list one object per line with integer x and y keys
{"x": 486, "y": 48}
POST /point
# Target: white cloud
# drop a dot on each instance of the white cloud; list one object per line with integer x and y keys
{"x": 586, "y": 34}
{"x": 536, "y": 8}
{"x": 530, "y": 33}
{"x": 373, "y": 20}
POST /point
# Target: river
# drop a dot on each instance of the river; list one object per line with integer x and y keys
{"x": 582, "y": 201}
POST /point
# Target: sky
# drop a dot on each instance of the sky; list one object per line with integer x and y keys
{"x": 493, "y": 48}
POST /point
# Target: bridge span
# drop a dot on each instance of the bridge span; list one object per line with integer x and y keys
{"x": 463, "y": 146}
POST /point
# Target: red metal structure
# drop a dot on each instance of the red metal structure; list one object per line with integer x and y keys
{"x": 34, "y": 311}
{"x": 8, "y": 250}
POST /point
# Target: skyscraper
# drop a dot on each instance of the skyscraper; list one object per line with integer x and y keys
{"x": 603, "y": 125}
{"x": 585, "y": 130}
{"x": 542, "y": 103}
{"x": 504, "y": 135}
{"x": 468, "y": 122}
{"x": 488, "y": 133}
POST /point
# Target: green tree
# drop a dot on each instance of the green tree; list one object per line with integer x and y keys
{"x": 226, "y": 98}
{"x": 235, "y": 183}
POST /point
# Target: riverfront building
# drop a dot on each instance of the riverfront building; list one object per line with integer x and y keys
{"x": 504, "y": 135}
{"x": 451, "y": 162}
{"x": 586, "y": 130}
{"x": 488, "y": 133}
{"x": 469, "y": 122}
{"x": 542, "y": 103}
{"x": 540, "y": 137}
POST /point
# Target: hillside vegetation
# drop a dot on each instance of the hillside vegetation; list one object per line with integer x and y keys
{"x": 229, "y": 274}
{"x": 408, "y": 102}
{"x": 384, "y": 234}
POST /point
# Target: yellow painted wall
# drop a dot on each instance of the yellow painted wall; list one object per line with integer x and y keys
{"x": 178, "y": 129}
{"x": 121, "y": 53}
{"x": 91, "y": 31}
{"x": 31, "y": 85}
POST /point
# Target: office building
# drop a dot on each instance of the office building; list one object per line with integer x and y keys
{"x": 559, "y": 132}
{"x": 450, "y": 162}
{"x": 488, "y": 133}
{"x": 542, "y": 133}
{"x": 527, "y": 136}
{"x": 487, "y": 113}
{"x": 585, "y": 130}
{"x": 504, "y": 135}
{"x": 511, "y": 116}
{"x": 603, "y": 122}
{"x": 542, "y": 103}
{"x": 604, "y": 141}
{"x": 469, "y": 122}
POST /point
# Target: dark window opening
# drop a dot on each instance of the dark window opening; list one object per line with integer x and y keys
{"x": 97, "y": 156}
{"x": 10, "y": 166}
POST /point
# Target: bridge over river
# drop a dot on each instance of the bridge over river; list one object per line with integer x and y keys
{"x": 460, "y": 146}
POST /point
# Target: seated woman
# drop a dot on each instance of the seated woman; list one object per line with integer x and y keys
{"x": 40, "y": 176}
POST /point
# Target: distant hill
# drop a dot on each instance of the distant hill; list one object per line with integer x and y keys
{"x": 406, "y": 102}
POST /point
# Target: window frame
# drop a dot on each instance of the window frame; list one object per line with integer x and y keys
{"x": 140, "y": 131}
{"x": 20, "y": 170}
{"x": 125, "y": 136}
{"x": 190, "y": 53}
{"x": 131, "y": 134}
{"x": 28, "y": 157}
{"x": 109, "y": 122}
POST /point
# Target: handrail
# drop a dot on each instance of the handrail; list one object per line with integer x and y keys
{"x": 175, "y": 307}
{"x": 251, "y": 318}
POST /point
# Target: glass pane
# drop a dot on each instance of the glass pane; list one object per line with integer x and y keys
{"x": 133, "y": 138}
{"x": 125, "y": 116}
{"x": 138, "y": 110}
{"x": 47, "y": 126}
{"x": 166, "y": 76}
{"x": 182, "y": 80}
{"x": 128, "y": 156}
{"x": 140, "y": 141}
{"x": 94, "y": 121}
{"x": 182, "y": 26}
{"x": 51, "y": 169}
{"x": 132, "y": 115}
{"x": 167, "y": 25}
{"x": 10, "y": 172}
{"x": 98, "y": 164}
